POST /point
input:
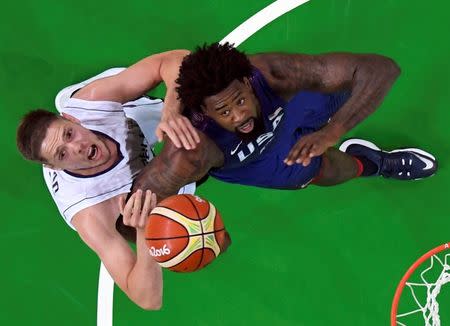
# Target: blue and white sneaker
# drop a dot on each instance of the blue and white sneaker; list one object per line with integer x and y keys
{"x": 402, "y": 164}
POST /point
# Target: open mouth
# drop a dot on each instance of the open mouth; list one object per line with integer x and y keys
{"x": 247, "y": 126}
{"x": 93, "y": 152}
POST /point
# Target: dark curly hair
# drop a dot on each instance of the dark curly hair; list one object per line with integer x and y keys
{"x": 209, "y": 70}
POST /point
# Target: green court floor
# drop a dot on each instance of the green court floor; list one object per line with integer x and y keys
{"x": 320, "y": 256}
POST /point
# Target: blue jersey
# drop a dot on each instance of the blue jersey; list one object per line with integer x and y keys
{"x": 260, "y": 162}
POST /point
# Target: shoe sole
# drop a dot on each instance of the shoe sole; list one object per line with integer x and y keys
{"x": 357, "y": 141}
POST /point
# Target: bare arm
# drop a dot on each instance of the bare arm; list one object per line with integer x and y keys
{"x": 368, "y": 76}
{"x": 138, "y": 275}
{"x": 176, "y": 167}
{"x": 138, "y": 79}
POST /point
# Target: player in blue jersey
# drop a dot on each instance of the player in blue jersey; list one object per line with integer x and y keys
{"x": 271, "y": 120}
{"x": 275, "y": 117}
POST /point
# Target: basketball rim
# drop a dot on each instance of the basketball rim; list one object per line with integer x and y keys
{"x": 405, "y": 278}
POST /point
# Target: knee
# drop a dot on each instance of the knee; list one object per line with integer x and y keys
{"x": 336, "y": 167}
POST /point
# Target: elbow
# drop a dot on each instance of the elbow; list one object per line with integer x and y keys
{"x": 392, "y": 69}
{"x": 178, "y": 54}
{"x": 184, "y": 52}
{"x": 376, "y": 70}
{"x": 150, "y": 299}
{"x": 152, "y": 304}
{"x": 395, "y": 69}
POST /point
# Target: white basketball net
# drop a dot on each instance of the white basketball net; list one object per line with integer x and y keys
{"x": 429, "y": 308}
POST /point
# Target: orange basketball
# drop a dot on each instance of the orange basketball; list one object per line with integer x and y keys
{"x": 185, "y": 233}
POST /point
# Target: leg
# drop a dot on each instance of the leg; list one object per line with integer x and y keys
{"x": 357, "y": 156}
{"x": 337, "y": 167}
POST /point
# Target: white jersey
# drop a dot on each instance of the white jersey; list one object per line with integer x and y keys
{"x": 71, "y": 192}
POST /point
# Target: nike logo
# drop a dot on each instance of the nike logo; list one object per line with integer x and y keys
{"x": 236, "y": 148}
{"x": 428, "y": 163}
{"x": 306, "y": 184}
{"x": 275, "y": 114}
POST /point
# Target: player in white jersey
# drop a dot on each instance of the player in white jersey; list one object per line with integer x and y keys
{"x": 130, "y": 126}
{"x": 92, "y": 152}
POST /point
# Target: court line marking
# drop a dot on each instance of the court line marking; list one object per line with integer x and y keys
{"x": 105, "y": 297}
{"x": 261, "y": 19}
{"x": 236, "y": 37}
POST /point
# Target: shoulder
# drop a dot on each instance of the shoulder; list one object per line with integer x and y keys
{"x": 60, "y": 185}
{"x": 91, "y": 110}
{"x": 261, "y": 61}
{"x": 100, "y": 89}
{"x": 288, "y": 73}
{"x": 86, "y": 196}
{"x": 279, "y": 65}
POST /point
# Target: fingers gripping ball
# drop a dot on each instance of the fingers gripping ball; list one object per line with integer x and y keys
{"x": 185, "y": 233}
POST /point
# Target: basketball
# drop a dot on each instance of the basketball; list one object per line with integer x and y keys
{"x": 184, "y": 233}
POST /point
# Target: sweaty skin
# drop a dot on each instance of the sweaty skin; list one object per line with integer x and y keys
{"x": 368, "y": 76}
{"x": 70, "y": 146}
{"x": 136, "y": 273}
{"x": 175, "y": 167}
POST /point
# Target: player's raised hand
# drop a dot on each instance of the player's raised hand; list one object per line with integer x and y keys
{"x": 309, "y": 146}
{"x": 178, "y": 128}
{"x": 137, "y": 208}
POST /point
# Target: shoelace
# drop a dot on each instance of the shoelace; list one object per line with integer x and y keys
{"x": 393, "y": 164}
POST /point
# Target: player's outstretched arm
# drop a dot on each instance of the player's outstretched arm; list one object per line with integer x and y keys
{"x": 175, "y": 167}
{"x": 137, "y": 274}
{"x": 368, "y": 76}
{"x": 137, "y": 80}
